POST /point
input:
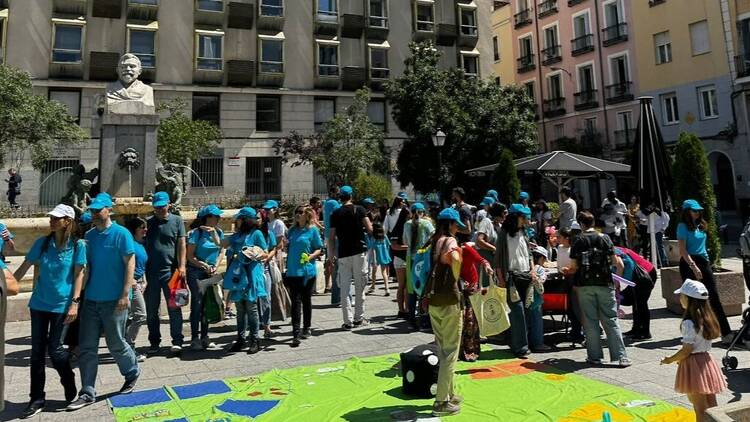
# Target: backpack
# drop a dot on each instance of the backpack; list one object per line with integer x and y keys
{"x": 421, "y": 264}
{"x": 442, "y": 286}
{"x": 594, "y": 268}
{"x": 745, "y": 240}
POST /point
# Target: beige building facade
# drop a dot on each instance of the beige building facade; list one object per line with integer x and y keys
{"x": 258, "y": 69}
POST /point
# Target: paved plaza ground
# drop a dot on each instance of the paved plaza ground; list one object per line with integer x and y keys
{"x": 329, "y": 343}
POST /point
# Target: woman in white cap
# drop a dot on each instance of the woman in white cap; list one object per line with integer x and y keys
{"x": 58, "y": 259}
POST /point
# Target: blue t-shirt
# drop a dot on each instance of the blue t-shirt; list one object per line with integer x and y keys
{"x": 106, "y": 249}
{"x": 627, "y": 262}
{"x": 271, "y": 240}
{"x": 206, "y": 249}
{"x": 53, "y": 289}
{"x": 140, "y": 260}
{"x": 162, "y": 237}
{"x": 329, "y": 207}
{"x": 695, "y": 241}
{"x": 302, "y": 240}
{"x": 236, "y": 242}
{"x": 2, "y": 241}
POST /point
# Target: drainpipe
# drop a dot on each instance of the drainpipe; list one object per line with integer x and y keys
{"x": 598, "y": 36}
{"x": 532, "y": 8}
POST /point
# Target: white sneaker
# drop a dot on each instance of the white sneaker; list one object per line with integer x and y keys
{"x": 140, "y": 357}
{"x": 207, "y": 344}
{"x": 175, "y": 349}
{"x": 196, "y": 345}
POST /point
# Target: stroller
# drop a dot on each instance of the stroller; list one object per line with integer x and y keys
{"x": 730, "y": 362}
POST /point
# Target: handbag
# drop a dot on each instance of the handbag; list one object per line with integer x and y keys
{"x": 491, "y": 310}
{"x": 179, "y": 295}
{"x": 275, "y": 272}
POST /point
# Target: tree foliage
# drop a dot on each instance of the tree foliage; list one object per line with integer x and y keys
{"x": 181, "y": 139}
{"x": 479, "y": 117}
{"x": 505, "y": 178}
{"x": 349, "y": 144}
{"x": 692, "y": 180}
{"x": 31, "y": 123}
{"x": 374, "y": 186}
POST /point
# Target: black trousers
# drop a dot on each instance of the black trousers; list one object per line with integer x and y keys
{"x": 300, "y": 290}
{"x": 47, "y": 333}
{"x": 641, "y": 312}
{"x": 708, "y": 280}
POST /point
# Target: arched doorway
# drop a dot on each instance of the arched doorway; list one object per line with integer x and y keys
{"x": 722, "y": 178}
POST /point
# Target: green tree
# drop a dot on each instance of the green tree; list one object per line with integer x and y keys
{"x": 505, "y": 178}
{"x": 479, "y": 117}
{"x": 349, "y": 144}
{"x": 374, "y": 186}
{"x": 692, "y": 180}
{"x": 31, "y": 123}
{"x": 181, "y": 139}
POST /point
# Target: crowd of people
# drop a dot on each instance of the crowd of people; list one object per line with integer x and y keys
{"x": 93, "y": 275}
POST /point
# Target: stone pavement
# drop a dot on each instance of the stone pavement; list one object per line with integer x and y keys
{"x": 385, "y": 335}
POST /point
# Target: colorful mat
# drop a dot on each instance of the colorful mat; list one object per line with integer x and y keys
{"x": 497, "y": 387}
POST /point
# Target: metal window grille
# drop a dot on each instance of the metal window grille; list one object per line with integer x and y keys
{"x": 320, "y": 184}
{"x": 209, "y": 170}
{"x": 263, "y": 177}
{"x": 54, "y": 180}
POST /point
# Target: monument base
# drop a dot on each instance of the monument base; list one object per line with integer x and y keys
{"x": 119, "y": 132}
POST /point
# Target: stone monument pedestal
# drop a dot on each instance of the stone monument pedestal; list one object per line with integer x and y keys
{"x": 121, "y": 131}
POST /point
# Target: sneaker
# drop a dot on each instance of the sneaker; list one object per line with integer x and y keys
{"x": 33, "y": 408}
{"x": 82, "y": 401}
{"x": 370, "y": 291}
{"x": 402, "y": 314}
{"x": 128, "y": 386}
{"x": 267, "y": 335}
{"x": 594, "y": 361}
{"x": 175, "y": 349}
{"x": 445, "y": 408}
{"x": 387, "y": 293}
{"x": 153, "y": 350}
{"x": 523, "y": 354}
{"x": 362, "y": 322}
{"x": 140, "y": 357}
{"x": 207, "y": 344}
{"x": 306, "y": 334}
{"x": 237, "y": 346}
{"x": 625, "y": 362}
{"x": 254, "y": 347}
{"x": 456, "y": 399}
{"x": 727, "y": 339}
{"x": 196, "y": 344}
{"x": 295, "y": 342}
{"x": 541, "y": 348}
{"x": 347, "y": 327}
{"x": 642, "y": 337}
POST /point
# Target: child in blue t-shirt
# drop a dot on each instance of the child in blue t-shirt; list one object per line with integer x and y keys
{"x": 381, "y": 247}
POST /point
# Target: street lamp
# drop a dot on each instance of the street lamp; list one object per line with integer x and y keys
{"x": 438, "y": 140}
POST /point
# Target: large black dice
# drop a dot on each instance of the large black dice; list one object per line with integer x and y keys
{"x": 419, "y": 371}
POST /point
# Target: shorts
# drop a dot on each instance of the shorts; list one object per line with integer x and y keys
{"x": 398, "y": 263}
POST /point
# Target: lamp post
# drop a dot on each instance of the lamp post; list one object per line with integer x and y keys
{"x": 438, "y": 140}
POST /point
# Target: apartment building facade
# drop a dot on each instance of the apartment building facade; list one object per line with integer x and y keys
{"x": 256, "y": 68}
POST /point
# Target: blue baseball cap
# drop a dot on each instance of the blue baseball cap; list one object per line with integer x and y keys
{"x": 524, "y": 195}
{"x": 493, "y": 194}
{"x": 691, "y": 204}
{"x": 402, "y": 195}
{"x": 451, "y": 215}
{"x": 102, "y": 200}
{"x": 488, "y": 200}
{"x": 519, "y": 209}
{"x": 368, "y": 201}
{"x": 270, "y": 204}
{"x": 246, "y": 212}
{"x": 161, "y": 199}
{"x": 346, "y": 190}
{"x": 86, "y": 217}
{"x": 210, "y": 210}
{"x": 417, "y": 206}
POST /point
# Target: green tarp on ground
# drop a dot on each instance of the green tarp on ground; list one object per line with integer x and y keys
{"x": 497, "y": 387}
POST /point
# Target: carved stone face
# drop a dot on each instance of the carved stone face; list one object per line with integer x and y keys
{"x": 129, "y": 70}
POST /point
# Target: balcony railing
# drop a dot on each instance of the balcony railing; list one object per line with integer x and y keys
{"x": 554, "y": 107}
{"x": 572, "y": 3}
{"x": 620, "y": 92}
{"x": 615, "y": 34}
{"x": 522, "y": 18}
{"x": 547, "y": 8}
{"x": 586, "y": 99}
{"x": 652, "y": 3}
{"x": 551, "y": 55}
{"x": 742, "y": 63}
{"x": 526, "y": 63}
{"x": 582, "y": 44}
{"x": 624, "y": 138}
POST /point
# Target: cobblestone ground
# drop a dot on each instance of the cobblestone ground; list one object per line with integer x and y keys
{"x": 386, "y": 334}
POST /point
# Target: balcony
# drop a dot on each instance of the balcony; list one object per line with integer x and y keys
{"x": 209, "y": 12}
{"x": 551, "y": 55}
{"x": 352, "y": 26}
{"x": 620, "y": 92}
{"x": 582, "y": 44}
{"x": 327, "y": 76}
{"x": 586, "y": 99}
{"x": 547, "y": 8}
{"x": 554, "y": 107}
{"x": 353, "y": 77}
{"x": 326, "y": 22}
{"x": 652, "y": 3}
{"x": 526, "y": 63}
{"x": 572, "y": 3}
{"x": 500, "y": 3}
{"x": 69, "y": 7}
{"x": 522, "y": 18}
{"x": 143, "y": 10}
{"x": 615, "y": 34}
{"x": 446, "y": 34}
{"x": 270, "y": 16}
{"x": 624, "y": 138}
{"x": 742, "y": 63}
{"x": 378, "y": 77}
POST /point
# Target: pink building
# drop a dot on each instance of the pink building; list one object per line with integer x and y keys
{"x": 575, "y": 59}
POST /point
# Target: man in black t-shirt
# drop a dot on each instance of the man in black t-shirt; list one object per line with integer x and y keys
{"x": 347, "y": 237}
{"x": 464, "y": 213}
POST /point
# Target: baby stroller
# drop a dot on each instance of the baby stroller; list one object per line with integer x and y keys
{"x": 730, "y": 362}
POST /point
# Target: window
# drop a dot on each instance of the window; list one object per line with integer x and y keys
{"x": 2, "y": 40}
{"x": 55, "y": 175}
{"x": 586, "y": 81}
{"x": 70, "y": 99}
{"x": 211, "y": 5}
{"x": 589, "y": 125}
{"x": 325, "y": 109}
{"x": 699, "y": 38}
{"x": 529, "y": 88}
{"x": 618, "y": 67}
{"x": 495, "y": 48}
{"x": 379, "y": 63}
{"x": 425, "y": 16}
{"x": 268, "y": 113}
{"x": 327, "y": 10}
{"x": 558, "y": 131}
{"x": 272, "y": 8}
{"x": 328, "y": 62}
{"x": 669, "y": 105}
{"x": 209, "y": 171}
{"x": 550, "y": 38}
{"x": 207, "y": 107}
{"x": 612, "y": 14}
{"x": 142, "y": 43}
{"x": 271, "y": 55}
{"x": 707, "y": 100}
{"x": 663, "y": 45}
{"x": 146, "y": 2}
{"x": 468, "y": 16}
{"x": 68, "y": 43}
{"x": 525, "y": 46}
{"x": 497, "y": 80}
{"x": 555, "y": 86}
{"x": 263, "y": 177}
{"x": 470, "y": 63}
{"x": 581, "y": 25}
{"x": 376, "y": 113}
{"x": 625, "y": 120}
{"x": 209, "y": 50}
{"x": 378, "y": 13}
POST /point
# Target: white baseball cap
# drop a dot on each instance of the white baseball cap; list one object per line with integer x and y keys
{"x": 541, "y": 251}
{"x": 694, "y": 289}
{"x": 575, "y": 226}
{"x": 62, "y": 210}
